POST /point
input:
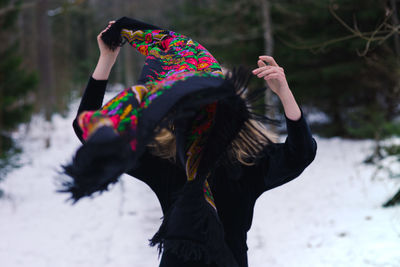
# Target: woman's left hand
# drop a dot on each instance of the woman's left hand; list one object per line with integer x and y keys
{"x": 273, "y": 74}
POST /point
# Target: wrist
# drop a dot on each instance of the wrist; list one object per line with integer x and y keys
{"x": 107, "y": 60}
{"x": 103, "y": 68}
{"x": 291, "y": 109}
{"x": 285, "y": 94}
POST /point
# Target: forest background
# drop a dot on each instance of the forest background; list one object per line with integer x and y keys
{"x": 341, "y": 58}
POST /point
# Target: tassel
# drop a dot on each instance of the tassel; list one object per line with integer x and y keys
{"x": 97, "y": 163}
{"x": 192, "y": 230}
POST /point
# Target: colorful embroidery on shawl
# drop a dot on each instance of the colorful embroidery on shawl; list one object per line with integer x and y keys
{"x": 208, "y": 195}
{"x": 199, "y": 133}
{"x": 171, "y": 58}
{"x": 120, "y": 113}
{"x": 172, "y": 52}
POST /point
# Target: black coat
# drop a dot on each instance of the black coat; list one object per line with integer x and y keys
{"x": 235, "y": 199}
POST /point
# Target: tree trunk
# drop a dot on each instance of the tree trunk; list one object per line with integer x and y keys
{"x": 44, "y": 52}
{"x": 118, "y": 66}
{"x": 128, "y": 55}
{"x": 45, "y": 62}
{"x": 265, "y": 7}
{"x": 395, "y": 22}
{"x": 267, "y": 27}
{"x": 1, "y": 122}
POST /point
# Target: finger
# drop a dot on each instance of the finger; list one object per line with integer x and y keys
{"x": 108, "y": 27}
{"x": 271, "y": 76}
{"x": 261, "y": 63}
{"x": 270, "y": 60}
{"x": 258, "y": 70}
{"x": 266, "y": 72}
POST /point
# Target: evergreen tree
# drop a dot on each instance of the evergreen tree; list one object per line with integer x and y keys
{"x": 328, "y": 66}
{"x": 15, "y": 84}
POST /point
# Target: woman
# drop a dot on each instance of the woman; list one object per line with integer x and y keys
{"x": 189, "y": 133}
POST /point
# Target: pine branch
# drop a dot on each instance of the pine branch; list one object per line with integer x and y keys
{"x": 393, "y": 200}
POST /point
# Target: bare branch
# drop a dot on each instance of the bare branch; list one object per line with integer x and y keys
{"x": 339, "y": 19}
{"x": 318, "y": 46}
{"x": 379, "y": 35}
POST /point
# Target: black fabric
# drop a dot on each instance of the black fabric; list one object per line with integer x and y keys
{"x": 113, "y": 38}
{"x": 235, "y": 199}
{"x": 92, "y": 99}
{"x": 108, "y": 152}
{"x": 171, "y": 260}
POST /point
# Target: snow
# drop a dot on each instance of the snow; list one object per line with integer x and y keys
{"x": 331, "y": 215}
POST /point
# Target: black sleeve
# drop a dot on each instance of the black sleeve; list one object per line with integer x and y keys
{"x": 92, "y": 99}
{"x": 282, "y": 162}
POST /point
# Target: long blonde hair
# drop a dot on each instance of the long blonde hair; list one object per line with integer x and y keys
{"x": 164, "y": 145}
{"x": 251, "y": 139}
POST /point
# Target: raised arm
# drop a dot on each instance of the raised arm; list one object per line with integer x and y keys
{"x": 283, "y": 162}
{"x": 151, "y": 169}
{"x": 93, "y": 95}
{"x": 107, "y": 57}
{"x": 275, "y": 77}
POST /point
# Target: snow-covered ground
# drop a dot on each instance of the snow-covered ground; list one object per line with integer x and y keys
{"x": 329, "y": 216}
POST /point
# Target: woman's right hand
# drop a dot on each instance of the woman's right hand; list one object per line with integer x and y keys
{"x": 105, "y": 51}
